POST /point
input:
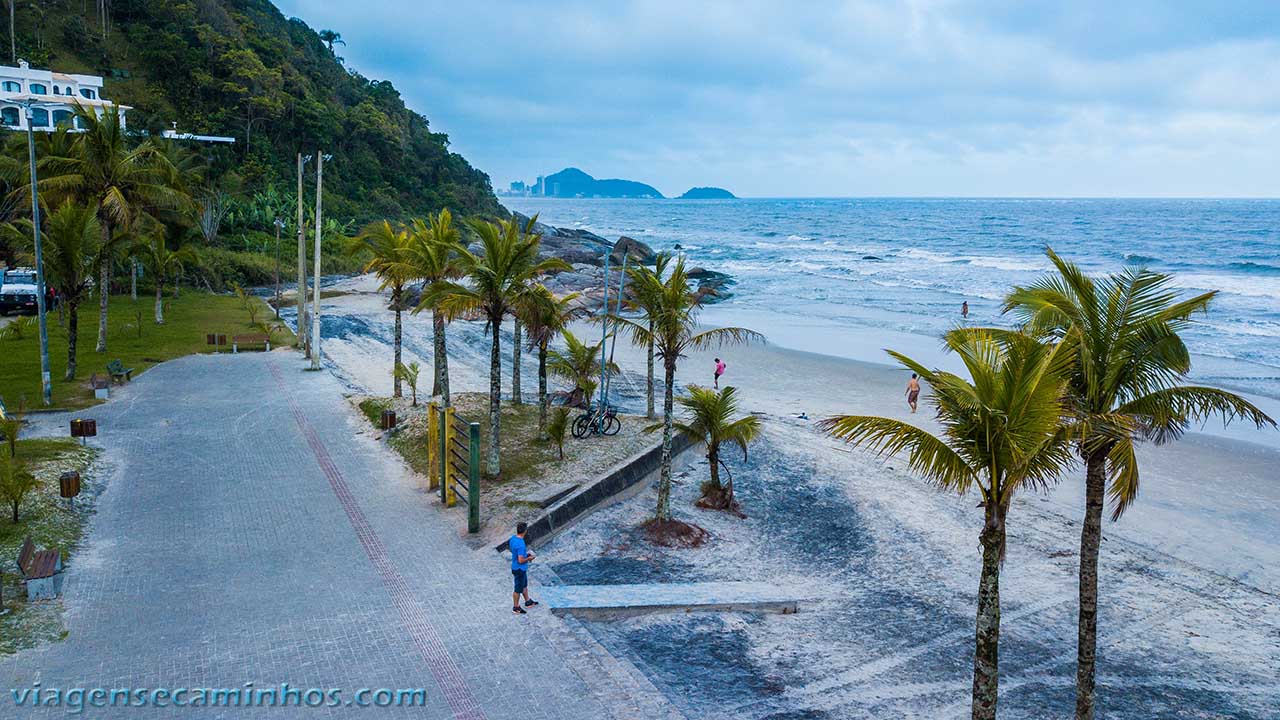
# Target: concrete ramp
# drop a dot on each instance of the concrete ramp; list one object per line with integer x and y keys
{"x": 601, "y": 601}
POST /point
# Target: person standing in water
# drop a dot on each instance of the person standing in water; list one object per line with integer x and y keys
{"x": 964, "y": 309}
{"x": 913, "y": 391}
{"x": 720, "y": 366}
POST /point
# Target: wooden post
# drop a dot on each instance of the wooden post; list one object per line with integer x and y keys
{"x": 433, "y": 446}
{"x": 442, "y": 451}
{"x": 473, "y": 482}
{"x": 450, "y": 492}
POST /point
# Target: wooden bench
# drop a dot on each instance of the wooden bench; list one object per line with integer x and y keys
{"x": 118, "y": 372}
{"x": 250, "y": 339}
{"x": 41, "y": 571}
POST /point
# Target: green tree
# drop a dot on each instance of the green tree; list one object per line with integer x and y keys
{"x": 120, "y": 181}
{"x": 711, "y": 422}
{"x": 638, "y": 301}
{"x": 556, "y": 428}
{"x": 505, "y": 270}
{"x": 70, "y": 248}
{"x": 387, "y": 247}
{"x": 672, "y": 326}
{"x": 163, "y": 264}
{"x": 409, "y": 373}
{"x": 10, "y": 427}
{"x": 16, "y": 482}
{"x": 579, "y": 364}
{"x": 546, "y": 315}
{"x": 1000, "y": 433}
{"x": 1125, "y": 389}
{"x": 433, "y": 257}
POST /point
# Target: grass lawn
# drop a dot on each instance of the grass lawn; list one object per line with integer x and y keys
{"x": 50, "y": 522}
{"x": 132, "y": 337}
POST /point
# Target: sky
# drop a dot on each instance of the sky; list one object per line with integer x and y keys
{"x": 1085, "y": 98}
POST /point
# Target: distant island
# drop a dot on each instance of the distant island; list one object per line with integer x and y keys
{"x": 707, "y": 193}
{"x": 572, "y": 182}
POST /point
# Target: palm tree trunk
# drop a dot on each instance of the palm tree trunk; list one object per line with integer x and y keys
{"x": 664, "y": 478}
{"x": 159, "y": 302}
{"x": 133, "y": 280}
{"x": 713, "y": 458}
{"x": 1090, "y": 542}
{"x": 649, "y": 378}
{"x": 396, "y": 342}
{"x": 73, "y": 325}
{"x": 104, "y": 288}
{"x": 495, "y": 398}
{"x": 986, "y": 655}
{"x": 543, "y": 400}
{"x": 515, "y": 365}
{"x": 441, "y": 358}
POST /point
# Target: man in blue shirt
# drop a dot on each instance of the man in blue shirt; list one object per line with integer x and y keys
{"x": 521, "y": 556}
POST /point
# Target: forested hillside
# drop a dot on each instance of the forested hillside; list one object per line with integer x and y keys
{"x": 240, "y": 68}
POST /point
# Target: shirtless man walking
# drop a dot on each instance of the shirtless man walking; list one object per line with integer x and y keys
{"x": 913, "y": 391}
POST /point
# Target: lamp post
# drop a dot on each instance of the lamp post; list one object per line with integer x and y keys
{"x": 46, "y": 384}
{"x": 279, "y": 223}
{"x": 302, "y": 265}
{"x": 315, "y": 302}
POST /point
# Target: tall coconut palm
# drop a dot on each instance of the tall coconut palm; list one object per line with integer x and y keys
{"x": 579, "y": 364}
{"x": 505, "y": 270}
{"x": 546, "y": 315}
{"x": 163, "y": 263}
{"x": 711, "y": 422}
{"x": 1002, "y": 432}
{"x": 1125, "y": 389}
{"x": 671, "y": 326}
{"x": 121, "y": 181}
{"x": 432, "y": 256}
{"x": 387, "y": 247}
{"x": 638, "y": 301}
{"x": 70, "y": 248}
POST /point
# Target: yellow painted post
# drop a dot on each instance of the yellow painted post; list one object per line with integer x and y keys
{"x": 433, "y": 446}
{"x": 450, "y": 494}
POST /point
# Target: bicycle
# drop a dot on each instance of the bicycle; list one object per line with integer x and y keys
{"x": 596, "y": 421}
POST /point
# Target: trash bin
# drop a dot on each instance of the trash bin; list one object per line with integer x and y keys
{"x": 69, "y": 484}
{"x": 388, "y": 419}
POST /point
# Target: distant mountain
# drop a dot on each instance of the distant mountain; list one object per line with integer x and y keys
{"x": 572, "y": 182}
{"x": 707, "y": 193}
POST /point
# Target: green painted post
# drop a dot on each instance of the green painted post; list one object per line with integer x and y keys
{"x": 473, "y": 483}
{"x": 444, "y": 456}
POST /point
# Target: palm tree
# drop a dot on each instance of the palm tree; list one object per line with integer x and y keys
{"x": 498, "y": 279}
{"x": 640, "y": 302}
{"x": 579, "y": 363}
{"x": 1000, "y": 433}
{"x": 546, "y": 315}
{"x": 711, "y": 423}
{"x": 672, "y": 315}
{"x": 163, "y": 263}
{"x": 331, "y": 38}
{"x": 118, "y": 180}
{"x": 432, "y": 256}
{"x": 410, "y": 374}
{"x": 1125, "y": 389}
{"x": 388, "y": 246}
{"x": 70, "y": 246}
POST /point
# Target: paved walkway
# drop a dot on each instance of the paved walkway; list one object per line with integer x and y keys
{"x": 248, "y": 535}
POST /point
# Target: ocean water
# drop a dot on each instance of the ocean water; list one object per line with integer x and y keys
{"x": 809, "y": 270}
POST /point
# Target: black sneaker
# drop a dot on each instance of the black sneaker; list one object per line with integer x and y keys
{"x": 530, "y": 603}
{"x": 518, "y": 610}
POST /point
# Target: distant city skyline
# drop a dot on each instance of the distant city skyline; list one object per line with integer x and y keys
{"x": 910, "y": 98}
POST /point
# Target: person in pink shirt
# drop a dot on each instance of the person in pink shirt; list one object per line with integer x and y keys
{"x": 720, "y": 366}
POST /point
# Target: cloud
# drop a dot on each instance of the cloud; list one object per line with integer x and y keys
{"x": 916, "y": 97}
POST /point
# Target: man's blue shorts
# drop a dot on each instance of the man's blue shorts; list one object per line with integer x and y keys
{"x": 521, "y": 580}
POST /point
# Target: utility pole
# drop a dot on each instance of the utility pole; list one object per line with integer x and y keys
{"x": 604, "y": 327}
{"x": 302, "y": 266}
{"x": 279, "y": 223}
{"x": 46, "y": 384}
{"x": 315, "y": 303}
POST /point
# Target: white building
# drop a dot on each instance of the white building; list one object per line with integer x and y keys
{"x": 52, "y": 95}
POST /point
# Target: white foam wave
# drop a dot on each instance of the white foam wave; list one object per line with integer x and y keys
{"x": 1267, "y": 287}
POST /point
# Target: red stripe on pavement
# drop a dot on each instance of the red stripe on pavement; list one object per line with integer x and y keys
{"x": 412, "y": 614}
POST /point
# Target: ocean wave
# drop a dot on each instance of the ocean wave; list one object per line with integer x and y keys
{"x": 799, "y": 238}
{"x": 987, "y": 261}
{"x": 1265, "y": 287}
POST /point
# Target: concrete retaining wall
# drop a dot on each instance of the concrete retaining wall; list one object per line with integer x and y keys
{"x": 625, "y": 476}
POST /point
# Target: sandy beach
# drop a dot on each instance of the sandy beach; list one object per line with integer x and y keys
{"x": 1190, "y": 574}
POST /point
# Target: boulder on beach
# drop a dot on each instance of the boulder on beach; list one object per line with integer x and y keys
{"x": 638, "y": 251}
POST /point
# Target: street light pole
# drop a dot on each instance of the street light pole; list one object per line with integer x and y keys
{"x": 46, "y": 383}
{"x": 302, "y": 266}
{"x": 315, "y": 303}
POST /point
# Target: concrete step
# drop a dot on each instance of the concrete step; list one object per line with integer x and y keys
{"x": 594, "y": 601}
